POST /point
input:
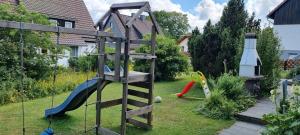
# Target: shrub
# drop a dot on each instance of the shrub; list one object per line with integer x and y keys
{"x": 228, "y": 97}
{"x": 217, "y": 106}
{"x": 233, "y": 86}
{"x": 169, "y": 63}
{"x": 268, "y": 48}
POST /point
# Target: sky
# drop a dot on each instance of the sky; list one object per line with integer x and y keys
{"x": 198, "y": 11}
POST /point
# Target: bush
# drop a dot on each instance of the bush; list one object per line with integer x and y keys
{"x": 233, "y": 86}
{"x": 83, "y": 63}
{"x": 268, "y": 48}
{"x": 169, "y": 63}
{"x": 228, "y": 97}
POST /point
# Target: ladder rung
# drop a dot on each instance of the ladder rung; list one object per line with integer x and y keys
{"x": 138, "y": 123}
{"x": 138, "y": 93}
{"x": 136, "y": 103}
{"x": 144, "y": 116}
{"x": 111, "y": 103}
{"x": 139, "y": 111}
{"x": 145, "y": 85}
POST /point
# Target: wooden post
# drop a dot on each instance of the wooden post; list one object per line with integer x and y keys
{"x": 101, "y": 62}
{"x": 125, "y": 81}
{"x": 152, "y": 76}
{"x": 118, "y": 59}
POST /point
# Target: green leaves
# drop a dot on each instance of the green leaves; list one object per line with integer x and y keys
{"x": 169, "y": 63}
{"x": 173, "y": 24}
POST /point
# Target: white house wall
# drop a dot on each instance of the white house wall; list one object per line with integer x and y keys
{"x": 289, "y": 36}
{"x": 184, "y": 45}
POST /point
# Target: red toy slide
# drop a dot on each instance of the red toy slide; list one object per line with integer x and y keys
{"x": 186, "y": 89}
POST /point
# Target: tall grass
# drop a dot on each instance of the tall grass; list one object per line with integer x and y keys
{"x": 65, "y": 81}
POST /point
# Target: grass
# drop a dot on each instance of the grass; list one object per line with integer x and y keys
{"x": 171, "y": 117}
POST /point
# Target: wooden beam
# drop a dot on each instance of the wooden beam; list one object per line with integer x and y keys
{"x": 140, "y": 111}
{"x": 138, "y": 93}
{"x": 111, "y": 103}
{"x": 140, "y": 41}
{"x": 136, "y": 15}
{"x": 45, "y": 28}
{"x": 157, "y": 28}
{"x": 136, "y": 103}
{"x": 132, "y": 5}
{"x": 105, "y": 131}
{"x": 101, "y": 20}
{"x": 117, "y": 61}
{"x": 138, "y": 123}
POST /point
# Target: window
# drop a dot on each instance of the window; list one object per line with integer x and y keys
{"x": 74, "y": 51}
{"x": 68, "y": 24}
{"x": 62, "y": 23}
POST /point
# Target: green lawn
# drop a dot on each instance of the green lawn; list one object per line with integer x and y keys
{"x": 171, "y": 117}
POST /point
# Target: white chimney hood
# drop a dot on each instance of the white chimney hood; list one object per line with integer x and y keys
{"x": 250, "y": 62}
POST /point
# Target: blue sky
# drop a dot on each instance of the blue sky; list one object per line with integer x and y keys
{"x": 187, "y": 5}
{"x": 197, "y": 11}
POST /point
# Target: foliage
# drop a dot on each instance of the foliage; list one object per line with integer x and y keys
{"x": 88, "y": 62}
{"x": 205, "y": 46}
{"x": 268, "y": 48}
{"x": 220, "y": 45}
{"x": 169, "y": 63}
{"x": 65, "y": 81}
{"x": 252, "y": 24}
{"x": 287, "y": 120}
{"x": 36, "y": 64}
{"x": 227, "y": 97}
{"x": 173, "y": 24}
{"x": 293, "y": 72}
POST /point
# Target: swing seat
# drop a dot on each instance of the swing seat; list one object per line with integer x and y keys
{"x": 48, "y": 131}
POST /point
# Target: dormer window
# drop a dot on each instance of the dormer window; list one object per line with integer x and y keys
{"x": 68, "y": 24}
{"x": 62, "y": 23}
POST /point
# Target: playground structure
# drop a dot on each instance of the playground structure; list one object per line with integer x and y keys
{"x": 104, "y": 77}
{"x": 196, "y": 77}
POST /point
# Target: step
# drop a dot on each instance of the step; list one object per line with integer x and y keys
{"x": 243, "y": 128}
{"x": 139, "y": 94}
{"x": 138, "y": 123}
{"x": 255, "y": 113}
{"x": 140, "y": 111}
{"x": 145, "y": 85}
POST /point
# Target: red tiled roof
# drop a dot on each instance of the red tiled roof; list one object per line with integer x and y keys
{"x": 183, "y": 38}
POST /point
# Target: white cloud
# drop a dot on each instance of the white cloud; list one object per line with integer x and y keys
{"x": 208, "y": 9}
{"x": 198, "y": 15}
{"x": 261, "y": 8}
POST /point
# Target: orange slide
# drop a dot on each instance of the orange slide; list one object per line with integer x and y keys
{"x": 186, "y": 88}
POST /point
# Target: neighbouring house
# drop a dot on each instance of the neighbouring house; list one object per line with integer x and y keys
{"x": 64, "y": 13}
{"x": 141, "y": 26}
{"x": 183, "y": 43}
{"x": 286, "y": 18}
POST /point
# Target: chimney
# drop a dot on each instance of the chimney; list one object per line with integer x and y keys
{"x": 250, "y": 62}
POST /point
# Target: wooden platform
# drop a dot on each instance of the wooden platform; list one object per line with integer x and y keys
{"x": 133, "y": 76}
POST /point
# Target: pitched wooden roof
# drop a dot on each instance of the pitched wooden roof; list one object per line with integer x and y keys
{"x": 272, "y": 13}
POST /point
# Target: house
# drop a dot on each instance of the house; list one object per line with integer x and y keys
{"x": 141, "y": 26}
{"x": 183, "y": 43}
{"x": 286, "y": 18}
{"x": 64, "y": 13}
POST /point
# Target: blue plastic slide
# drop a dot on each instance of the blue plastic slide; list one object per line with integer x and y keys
{"x": 79, "y": 95}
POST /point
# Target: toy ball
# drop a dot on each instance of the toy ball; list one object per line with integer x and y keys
{"x": 48, "y": 131}
{"x": 157, "y": 99}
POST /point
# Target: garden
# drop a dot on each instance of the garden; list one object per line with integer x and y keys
{"x": 210, "y": 106}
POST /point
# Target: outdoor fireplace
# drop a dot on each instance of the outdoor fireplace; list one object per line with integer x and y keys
{"x": 250, "y": 65}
